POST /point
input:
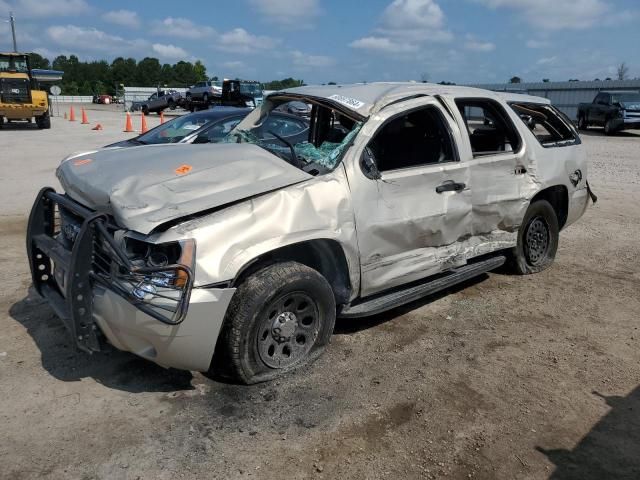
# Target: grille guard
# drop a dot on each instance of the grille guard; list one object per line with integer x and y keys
{"x": 73, "y": 301}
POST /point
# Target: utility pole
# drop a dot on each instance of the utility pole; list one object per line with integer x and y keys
{"x": 12, "y": 20}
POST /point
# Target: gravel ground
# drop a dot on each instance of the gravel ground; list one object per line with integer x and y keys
{"x": 501, "y": 378}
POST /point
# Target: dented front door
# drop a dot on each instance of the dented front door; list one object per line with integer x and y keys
{"x": 410, "y": 221}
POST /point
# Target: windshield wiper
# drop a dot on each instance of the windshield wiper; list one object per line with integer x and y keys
{"x": 294, "y": 157}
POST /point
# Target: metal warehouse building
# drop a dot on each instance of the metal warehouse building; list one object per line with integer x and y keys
{"x": 565, "y": 95}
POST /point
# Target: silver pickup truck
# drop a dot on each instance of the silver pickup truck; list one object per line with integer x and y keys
{"x": 238, "y": 257}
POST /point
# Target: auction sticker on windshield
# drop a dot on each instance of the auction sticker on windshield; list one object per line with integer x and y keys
{"x": 349, "y": 102}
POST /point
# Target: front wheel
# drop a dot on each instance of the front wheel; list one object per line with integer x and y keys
{"x": 279, "y": 319}
{"x": 44, "y": 121}
{"x": 537, "y": 239}
{"x": 608, "y": 127}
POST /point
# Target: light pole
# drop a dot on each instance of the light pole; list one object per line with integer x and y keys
{"x": 12, "y": 21}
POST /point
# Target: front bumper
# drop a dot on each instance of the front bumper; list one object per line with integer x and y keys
{"x": 626, "y": 123}
{"x": 86, "y": 285}
{"x": 21, "y": 111}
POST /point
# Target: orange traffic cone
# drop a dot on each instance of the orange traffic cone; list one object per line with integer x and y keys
{"x": 143, "y": 124}
{"x": 161, "y": 118}
{"x": 97, "y": 127}
{"x": 128, "y": 126}
{"x": 85, "y": 120}
{"x": 72, "y": 114}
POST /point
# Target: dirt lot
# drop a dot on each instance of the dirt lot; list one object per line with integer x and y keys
{"x": 502, "y": 378}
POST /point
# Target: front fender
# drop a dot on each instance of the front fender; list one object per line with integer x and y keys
{"x": 229, "y": 239}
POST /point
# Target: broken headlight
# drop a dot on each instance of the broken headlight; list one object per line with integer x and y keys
{"x": 157, "y": 278}
{"x": 164, "y": 263}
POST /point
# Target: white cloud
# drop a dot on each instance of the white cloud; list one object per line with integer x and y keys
{"x": 169, "y": 51}
{"x": 51, "y": 8}
{"x": 234, "y": 65}
{"x": 181, "y": 28}
{"x": 126, "y": 18}
{"x": 382, "y": 44}
{"x": 405, "y": 25}
{"x": 547, "y": 61}
{"x": 239, "y": 40}
{"x": 72, "y": 36}
{"x": 538, "y": 43}
{"x": 415, "y": 20}
{"x": 305, "y": 60}
{"x": 555, "y": 14}
{"x": 476, "y": 45}
{"x": 288, "y": 13}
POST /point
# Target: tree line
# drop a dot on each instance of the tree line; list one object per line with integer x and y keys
{"x": 101, "y": 77}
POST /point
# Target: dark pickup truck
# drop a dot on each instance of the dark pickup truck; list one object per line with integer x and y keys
{"x": 614, "y": 111}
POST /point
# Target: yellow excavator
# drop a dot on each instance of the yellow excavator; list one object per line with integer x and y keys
{"x": 20, "y": 97}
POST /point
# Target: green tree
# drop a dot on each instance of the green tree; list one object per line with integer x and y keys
{"x": 200, "y": 71}
{"x": 38, "y": 61}
{"x": 148, "y": 72}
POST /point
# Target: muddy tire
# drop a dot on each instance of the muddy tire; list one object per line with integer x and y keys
{"x": 537, "y": 240}
{"x": 279, "y": 319}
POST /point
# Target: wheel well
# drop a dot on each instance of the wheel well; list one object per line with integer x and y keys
{"x": 325, "y": 256}
{"x": 558, "y": 197}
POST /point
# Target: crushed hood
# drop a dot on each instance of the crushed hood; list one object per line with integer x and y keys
{"x": 143, "y": 187}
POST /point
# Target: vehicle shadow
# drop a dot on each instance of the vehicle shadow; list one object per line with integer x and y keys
{"x": 113, "y": 368}
{"x": 353, "y": 325}
{"x": 18, "y": 126}
{"x": 611, "y": 450}
{"x": 599, "y": 132}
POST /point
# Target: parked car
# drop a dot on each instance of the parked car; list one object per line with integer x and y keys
{"x": 237, "y": 257}
{"x": 615, "y": 111}
{"x": 298, "y": 108}
{"x": 204, "y": 91}
{"x": 105, "y": 99}
{"x": 213, "y": 125}
{"x": 159, "y": 101}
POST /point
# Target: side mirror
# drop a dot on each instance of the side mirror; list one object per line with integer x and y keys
{"x": 368, "y": 163}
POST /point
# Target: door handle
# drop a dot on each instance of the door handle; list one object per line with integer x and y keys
{"x": 450, "y": 186}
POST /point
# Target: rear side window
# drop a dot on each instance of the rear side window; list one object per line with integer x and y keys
{"x": 490, "y": 129}
{"x": 547, "y": 124}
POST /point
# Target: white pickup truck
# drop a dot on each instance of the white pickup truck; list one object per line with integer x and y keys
{"x": 237, "y": 257}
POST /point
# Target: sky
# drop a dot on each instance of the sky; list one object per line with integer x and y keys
{"x": 462, "y": 41}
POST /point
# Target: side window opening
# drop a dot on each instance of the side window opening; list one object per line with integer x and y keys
{"x": 547, "y": 124}
{"x": 491, "y": 132}
{"x": 412, "y": 139}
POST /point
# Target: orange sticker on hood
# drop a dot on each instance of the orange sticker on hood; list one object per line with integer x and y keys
{"x": 183, "y": 169}
{"x": 84, "y": 161}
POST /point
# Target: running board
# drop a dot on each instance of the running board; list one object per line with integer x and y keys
{"x": 397, "y": 298}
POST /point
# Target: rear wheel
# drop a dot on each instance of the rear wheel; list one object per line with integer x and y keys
{"x": 171, "y": 104}
{"x": 582, "y": 123}
{"x": 279, "y": 319}
{"x": 145, "y": 109}
{"x": 1, "y": 121}
{"x": 537, "y": 239}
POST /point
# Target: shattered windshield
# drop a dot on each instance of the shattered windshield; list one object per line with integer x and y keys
{"x": 301, "y": 150}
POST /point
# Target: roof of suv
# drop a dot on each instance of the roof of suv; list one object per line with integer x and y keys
{"x": 368, "y": 98}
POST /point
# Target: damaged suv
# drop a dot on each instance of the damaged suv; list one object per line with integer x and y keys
{"x": 237, "y": 257}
